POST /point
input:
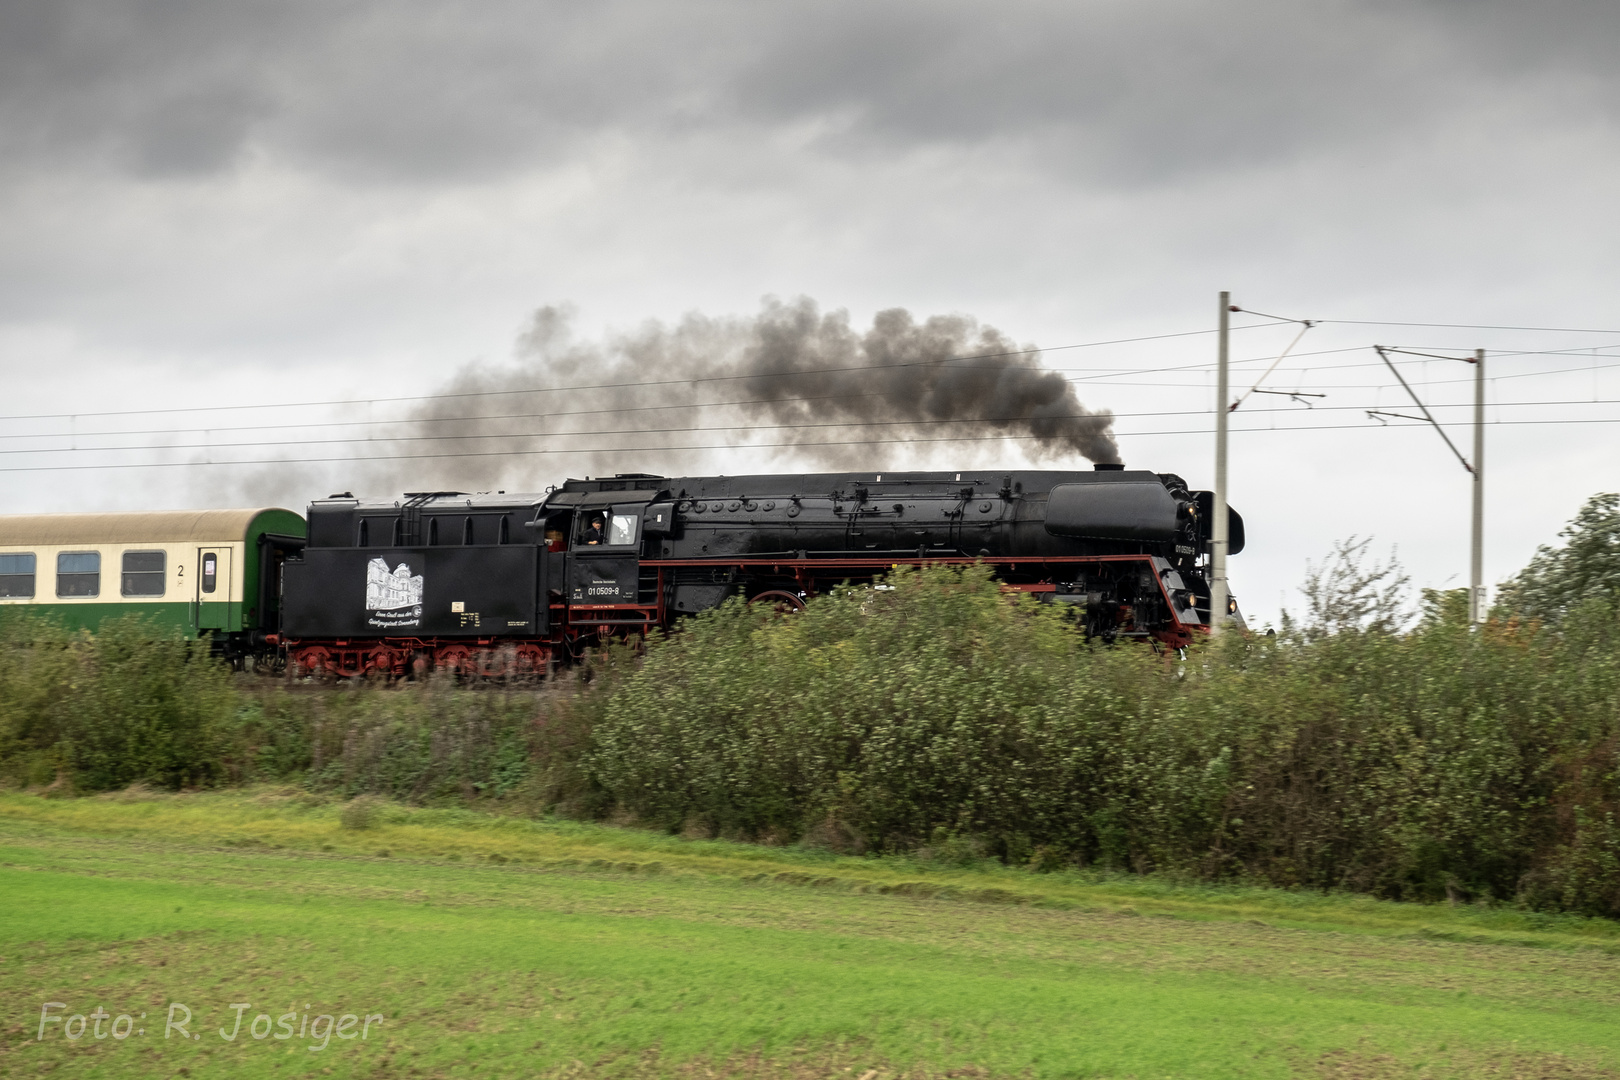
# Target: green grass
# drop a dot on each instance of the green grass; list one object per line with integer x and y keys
{"x": 596, "y": 951}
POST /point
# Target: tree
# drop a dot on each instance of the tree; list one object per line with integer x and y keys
{"x": 1346, "y": 591}
{"x": 1588, "y": 565}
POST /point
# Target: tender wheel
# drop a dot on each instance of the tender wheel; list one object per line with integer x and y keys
{"x": 456, "y": 659}
{"x": 532, "y": 662}
{"x": 384, "y": 663}
{"x": 314, "y": 663}
{"x": 494, "y": 663}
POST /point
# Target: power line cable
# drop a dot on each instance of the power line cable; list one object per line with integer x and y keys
{"x": 731, "y": 446}
{"x": 806, "y": 371}
{"x": 1529, "y": 374}
{"x": 1116, "y": 373}
{"x": 629, "y": 385}
{"x": 310, "y": 424}
{"x": 479, "y": 417}
{"x": 304, "y": 425}
{"x": 1469, "y": 326}
{"x": 385, "y": 439}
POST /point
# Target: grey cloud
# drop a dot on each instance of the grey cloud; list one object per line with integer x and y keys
{"x": 148, "y": 87}
{"x": 424, "y": 92}
{"x": 403, "y": 91}
{"x": 1155, "y": 91}
{"x": 1507, "y": 36}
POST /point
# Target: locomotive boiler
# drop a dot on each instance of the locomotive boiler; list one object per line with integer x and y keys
{"x": 498, "y": 584}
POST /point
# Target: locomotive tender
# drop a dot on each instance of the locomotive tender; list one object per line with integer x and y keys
{"x": 498, "y": 584}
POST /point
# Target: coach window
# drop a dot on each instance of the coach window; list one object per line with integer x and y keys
{"x": 78, "y": 573}
{"x": 17, "y": 574}
{"x": 210, "y": 572}
{"x": 143, "y": 573}
{"x": 623, "y": 530}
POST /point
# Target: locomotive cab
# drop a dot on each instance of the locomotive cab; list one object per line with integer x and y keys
{"x": 604, "y": 531}
{"x": 604, "y": 562}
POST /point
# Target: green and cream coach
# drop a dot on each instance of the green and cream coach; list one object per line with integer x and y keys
{"x": 192, "y": 572}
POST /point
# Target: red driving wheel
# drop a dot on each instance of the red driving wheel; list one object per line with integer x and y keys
{"x": 780, "y": 599}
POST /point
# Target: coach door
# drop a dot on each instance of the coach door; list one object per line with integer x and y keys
{"x": 214, "y": 588}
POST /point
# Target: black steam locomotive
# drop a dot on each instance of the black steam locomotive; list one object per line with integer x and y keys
{"x": 503, "y": 584}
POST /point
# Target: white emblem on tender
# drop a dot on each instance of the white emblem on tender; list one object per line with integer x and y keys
{"x": 394, "y": 599}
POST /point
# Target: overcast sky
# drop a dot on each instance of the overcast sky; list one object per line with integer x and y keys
{"x": 215, "y": 205}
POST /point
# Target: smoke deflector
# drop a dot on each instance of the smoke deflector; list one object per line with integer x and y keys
{"x": 1113, "y": 506}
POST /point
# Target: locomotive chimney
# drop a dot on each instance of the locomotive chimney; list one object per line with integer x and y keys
{"x": 1109, "y": 466}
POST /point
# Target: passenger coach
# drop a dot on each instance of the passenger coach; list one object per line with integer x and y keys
{"x": 193, "y": 572}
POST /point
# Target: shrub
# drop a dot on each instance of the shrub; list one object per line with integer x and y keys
{"x": 131, "y": 706}
{"x": 127, "y": 705}
{"x": 360, "y": 812}
{"x": 146, "y": 708}
{"x": 944, "y": 717}
{"x": 37, "y": 672}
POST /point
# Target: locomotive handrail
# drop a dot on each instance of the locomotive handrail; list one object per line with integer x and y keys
{"x": 820, "y": 555}
{"x": 873, "y": 558}
{"x": 648, "y": 621}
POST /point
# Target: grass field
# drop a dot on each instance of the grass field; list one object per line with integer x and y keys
{"x": 501, "y": 947}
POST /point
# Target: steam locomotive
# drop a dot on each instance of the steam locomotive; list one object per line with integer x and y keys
{"x": 500, "y": 584}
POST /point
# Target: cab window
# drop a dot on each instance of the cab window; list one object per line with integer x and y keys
{"x": 78, "y": 573}
{"x": 623, "y": 530}
{"x": 17, "y": 574}
{"x": 593, "y": 529}
{"x": 143, "y": 573}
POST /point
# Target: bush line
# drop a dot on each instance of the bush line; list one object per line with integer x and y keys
{"x": 943, "y": 718}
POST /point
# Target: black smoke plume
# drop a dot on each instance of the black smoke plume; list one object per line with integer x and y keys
{"x": 790, "y": 388}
